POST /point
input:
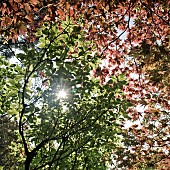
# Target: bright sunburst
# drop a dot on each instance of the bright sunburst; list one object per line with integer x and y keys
{"x": 62, "y": 94}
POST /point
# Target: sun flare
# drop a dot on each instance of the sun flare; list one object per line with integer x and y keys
{"x": 62, "y": 94}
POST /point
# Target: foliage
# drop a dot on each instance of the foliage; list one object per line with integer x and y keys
{"x": 75, "y": 132}
{"x": 131, "y": 37}
{"x": 8, "y": 137}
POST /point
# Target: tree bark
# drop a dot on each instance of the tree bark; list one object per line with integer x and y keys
{"x": 27, "y": 163}
{"x": 29, "y": 159}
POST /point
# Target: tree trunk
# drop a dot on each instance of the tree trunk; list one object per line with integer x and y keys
{"x": 27, "y": 163}
{"x": 28, "y": 160}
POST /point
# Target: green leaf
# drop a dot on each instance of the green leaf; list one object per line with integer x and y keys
{"x": 110, "y": 81}
{"x": 42, "y": 40}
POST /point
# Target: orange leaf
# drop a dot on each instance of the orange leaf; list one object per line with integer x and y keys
{"x": 71, "y": 12}
{"x": 60, "y": 12}
{"x": 67, "y": 6}
{"x": 34, "y": 2}
{"x": 4, "y": 4}
{"x": 22, "y": 29}
{"x": 27, "y": 7}
{"x": 29, "y": 17}
{"x": 11, "y": 2}
{"x": 14, "y": 19}
{"x": 17, "y": 1}
{"x": 6, "y": 21}
{"x": 47, "y": 18}
{"x": 3, "y": 10}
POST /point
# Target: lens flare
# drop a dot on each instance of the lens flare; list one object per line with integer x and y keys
{"x": 62, "y": 94}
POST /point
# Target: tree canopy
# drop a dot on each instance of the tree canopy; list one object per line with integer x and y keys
{"x": 110, "y": 58}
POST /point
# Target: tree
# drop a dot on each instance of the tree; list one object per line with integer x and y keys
{"x": 132, "y": 37}
{"x": 8, "y": 137}
{"x": 74, "y": 132}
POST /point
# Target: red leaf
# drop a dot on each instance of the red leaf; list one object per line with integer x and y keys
{"x": 60, "y": 13}
{"x": 71, "y": 12}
